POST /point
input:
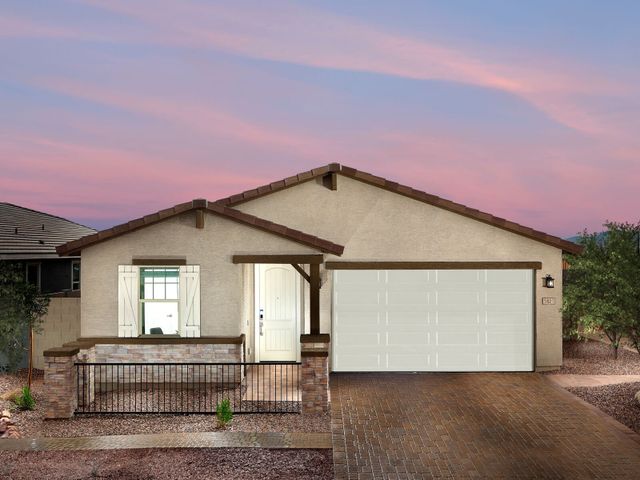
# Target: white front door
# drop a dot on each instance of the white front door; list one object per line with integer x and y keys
{"x": 278, "y": 288}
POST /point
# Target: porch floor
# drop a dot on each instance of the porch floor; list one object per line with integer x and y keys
{"x": 272, "y": 383}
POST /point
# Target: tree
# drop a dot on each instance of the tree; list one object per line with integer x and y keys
{"x": 22, "y": 308}
{"x": 603, "y": 284}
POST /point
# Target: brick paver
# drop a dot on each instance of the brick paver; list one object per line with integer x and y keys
{"x": 510, "y": 426}
{"x": 570, "y": 381}
{"x": 175, "y": 440}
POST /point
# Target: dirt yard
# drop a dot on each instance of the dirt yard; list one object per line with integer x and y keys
{"x": 596, "y": 358}
{"x": 32, "y": 424}
{"x": 169, "y": 464}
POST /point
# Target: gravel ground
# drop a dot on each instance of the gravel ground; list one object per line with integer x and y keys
{"x": 596, "y": 358}
{"x": 615, "y": 400}
{"x": 31, "y": 424}
{"x": 158, "y": 464}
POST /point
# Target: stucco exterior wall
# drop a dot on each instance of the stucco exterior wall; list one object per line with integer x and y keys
{"x": 60, "y": 325}
{"x": 222, "y": 284}
{"x": 376, "y": 225}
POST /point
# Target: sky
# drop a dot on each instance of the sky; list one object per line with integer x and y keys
{"x": 110, "y": 110}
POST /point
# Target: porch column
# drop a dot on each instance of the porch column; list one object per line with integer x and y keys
{"x": 60, "y": 382}
{"x": 314, "y": 299}
{"x": 314, "y": 382}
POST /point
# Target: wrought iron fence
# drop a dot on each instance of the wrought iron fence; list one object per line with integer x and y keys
{"x": 186, "y": 388}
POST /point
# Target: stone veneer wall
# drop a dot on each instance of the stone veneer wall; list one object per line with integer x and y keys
{"x": 314, "y": 381}
{"x": 62, "y": 381}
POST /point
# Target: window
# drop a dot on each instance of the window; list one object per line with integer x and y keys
{"x": 75, "y": 275}
{"x": 159, "y": 300}
{"x": 33, "y": 274}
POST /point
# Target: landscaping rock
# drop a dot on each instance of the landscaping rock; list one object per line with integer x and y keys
{"x": 7, "y": 427}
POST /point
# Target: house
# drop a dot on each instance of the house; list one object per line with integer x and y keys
{"x": 29, "y": 238}
{"x": 385, "y": 277}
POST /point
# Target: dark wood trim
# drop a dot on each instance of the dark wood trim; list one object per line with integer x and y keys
{"x": 88, "y": 342}
{"x": 301, "y": 271}
{"x": 290, "y": 259}
{"x": 319, "y": 338}
{"x": 330, "y": 181}
{"x": 314, "y": 299}
{"x": 171, "y": 262}
{"x": 433, "y": 265}
{"x": 65, "y": 294}
{"x": 199, "y": 218}
{"x": 314, "y": 353}
{"x": 61, "y": 352}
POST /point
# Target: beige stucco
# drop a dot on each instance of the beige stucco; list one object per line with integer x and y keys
{"x": 376, "y": 225}
{"x": 60, "y": 325}
{"x": 372, "y": 224}
{"x": 223, "y": 285}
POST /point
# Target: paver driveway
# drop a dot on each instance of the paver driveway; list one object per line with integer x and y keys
{"x": 472, "y": 426}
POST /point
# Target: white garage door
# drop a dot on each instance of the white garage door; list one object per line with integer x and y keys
{"x": 432, "y": 320}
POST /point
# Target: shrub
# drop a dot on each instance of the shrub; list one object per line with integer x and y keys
{"x": 224, "y": 413}
{"x": 25, "y": 400}
{"x": 11, "y": 395}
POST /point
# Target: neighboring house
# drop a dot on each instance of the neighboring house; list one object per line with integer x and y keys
{"x": 29, "y": 238}
{"x": 402, "y": 280}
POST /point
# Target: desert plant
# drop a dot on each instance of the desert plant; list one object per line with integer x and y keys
{"x": 22, "y": 308}
{"x": 224, "y": 413}
{"x": 25, "y": 400}
{"x": 603, "y": 284}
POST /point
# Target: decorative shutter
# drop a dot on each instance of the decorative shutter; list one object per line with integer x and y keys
{"x": 128, "y": 300}
{"x": 190, "y": 301}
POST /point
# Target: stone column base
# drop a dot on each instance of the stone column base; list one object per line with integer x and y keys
{"x": 315, "y": 373}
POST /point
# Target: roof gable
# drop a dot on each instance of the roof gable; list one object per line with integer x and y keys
{"x": 297, "y": 236}
{"x": 27, "y": 233}
{"x": 395, "y": 187}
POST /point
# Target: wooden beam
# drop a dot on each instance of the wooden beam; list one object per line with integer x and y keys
{"x": 330, "y": 181}
{"x": 290, "y": 259}
{"x": 314, "y": 299}
{"x": 159, "y": 261}
{"x": 433, "y": 265}
{"x": 301, "y": 271}
{"x": 199, "y": 218}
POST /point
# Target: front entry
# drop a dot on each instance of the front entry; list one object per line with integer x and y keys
{"x": 278, "y": 312}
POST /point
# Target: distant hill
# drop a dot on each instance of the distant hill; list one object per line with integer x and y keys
{"x": 601, "y": 237}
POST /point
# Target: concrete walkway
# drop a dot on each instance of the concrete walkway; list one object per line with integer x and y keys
{"x": 570, "y": 381}
{"x": 174, "y": 440}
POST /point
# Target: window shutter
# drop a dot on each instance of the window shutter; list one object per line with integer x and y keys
{"x": 190, "y": 301}
{"x": 128, "y": 293}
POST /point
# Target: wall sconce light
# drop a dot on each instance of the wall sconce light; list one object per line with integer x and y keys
{"x": 548, "y": 281}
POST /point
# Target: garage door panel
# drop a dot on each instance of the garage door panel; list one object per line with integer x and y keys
{"x": 407, "y": 297}
{"x": 408, "y": 362}
{"x": 458, "y": 319}
{"x": 453, "y": 320}
{"x": 458, "y": 360}
{"x": 401, "y": 319}
{"x": 457, "y": 338}
{"x": 455, "y": 278}
{"x": 522, "y": 338}
{"x": 508, "y": 298}
{"x": 408, "y": 338}
{"x": 516, "y": 318}
{"x": 457, "y": 299}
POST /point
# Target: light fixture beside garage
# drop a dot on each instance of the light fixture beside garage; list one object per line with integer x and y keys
{"x": 548, "y": 281}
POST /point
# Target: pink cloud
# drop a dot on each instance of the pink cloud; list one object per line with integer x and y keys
{"x": 303, "y": 35}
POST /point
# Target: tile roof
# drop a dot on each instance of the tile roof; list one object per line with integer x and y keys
{"x": 406, "y": 191}
{"x": 74, "y": 247}
{"x": 29, "y": 234}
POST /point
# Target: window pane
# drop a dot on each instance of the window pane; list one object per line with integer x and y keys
{"x": 162, "y": 316}
{"x": 158, "y": 291}
{"x": 148, "y": 290}
{"x": 172, "y": 291}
